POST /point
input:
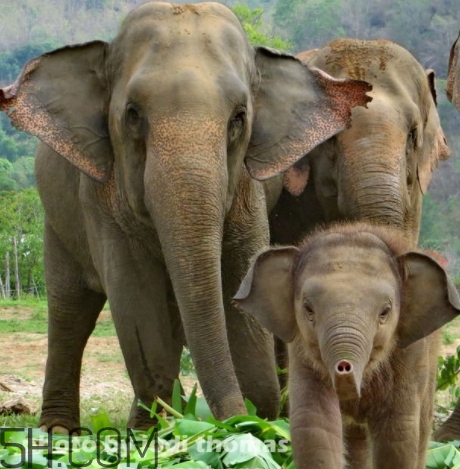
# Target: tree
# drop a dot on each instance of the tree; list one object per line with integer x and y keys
{"x": 259, "y": 34}
{"x": 21, "y": 240}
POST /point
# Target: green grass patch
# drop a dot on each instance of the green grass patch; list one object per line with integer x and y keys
{"x": 30, "y": 315}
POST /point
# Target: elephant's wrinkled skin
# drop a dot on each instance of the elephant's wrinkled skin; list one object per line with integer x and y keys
{"x": 360, "y": 313}
{"x": 151, "y": 205}
{"x": 378, "y": 169}
{"x": 453, "y": 75}
{"x": 450, "y": 429}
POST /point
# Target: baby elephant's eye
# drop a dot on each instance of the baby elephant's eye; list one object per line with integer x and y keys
{"x": 308, "y": 311}
{"x": 383, "y": 316}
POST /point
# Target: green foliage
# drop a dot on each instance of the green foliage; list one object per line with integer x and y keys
{"x": 259, "y": 34}
{"x": 186, "y": 363}
{"x": 309, "y": 22}
{"x": 447, "y": 375}
{"x": 188, "y": 438}
{"x": 442, "y": 456}
{"x": 22, "y": 223}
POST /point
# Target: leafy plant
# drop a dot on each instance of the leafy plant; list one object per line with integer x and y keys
{"x": 448, "y": 369}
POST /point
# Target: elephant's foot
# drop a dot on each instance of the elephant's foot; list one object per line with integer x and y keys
{"x": 55, "y": 430}
{"x": 60, "y": 425}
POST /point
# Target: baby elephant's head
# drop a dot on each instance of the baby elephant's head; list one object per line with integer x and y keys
{"x": 349, "y": 295}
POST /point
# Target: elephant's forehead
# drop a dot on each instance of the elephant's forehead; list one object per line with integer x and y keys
{"x": 370, "y": 60}
{"x": 168, "y": 22}
{"x": 164, "y": 33}
{"x": 348, "y": 258}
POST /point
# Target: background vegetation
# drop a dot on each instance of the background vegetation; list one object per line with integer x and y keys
{"x": 427, "y": 28}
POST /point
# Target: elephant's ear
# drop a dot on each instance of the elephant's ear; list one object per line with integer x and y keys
{"x": 435, "y": 146}
{"x": 296, "y": 109}
{"x": 267, "y": 292}
{"x": 453, "y": 75}
{"x": 430, "y": 299}
{"x": 61, "y": 98}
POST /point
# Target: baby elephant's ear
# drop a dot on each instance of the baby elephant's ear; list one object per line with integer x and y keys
{"x": 430, "y": 299}
{"x": 267, "y": 292}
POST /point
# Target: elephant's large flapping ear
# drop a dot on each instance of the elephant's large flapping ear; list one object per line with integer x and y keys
{"x": 453, "y": 75}
{"x": 430, "y": 299}
{"x": 296, "y": 109}
{"x": 61, "y": 97}
{"x": 435, "y": 147}
{"x": 267, "y": 292}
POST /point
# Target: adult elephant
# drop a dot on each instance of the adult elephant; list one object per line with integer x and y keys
{"x": 450, "y": 429}
{"x": 148, "y": 201}
{"x": 378, "y": 168}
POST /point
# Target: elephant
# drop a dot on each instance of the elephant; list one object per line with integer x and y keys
{"x": 147, "y": 147}
{"x": 450, "y": 429}
{"x": 453, "y": 74}
{"x": 360, "y": 311}
{"x": 377, "y": 169}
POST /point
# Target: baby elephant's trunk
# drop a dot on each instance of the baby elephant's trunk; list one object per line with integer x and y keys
{"x": 347, "y": 377}
{"x": 345, "y": 350}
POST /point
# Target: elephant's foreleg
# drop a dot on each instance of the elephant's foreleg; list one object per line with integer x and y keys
{"x": 251, "y": 346}
{"x": 73, "y": 310}
{"x": 137, "y": 288}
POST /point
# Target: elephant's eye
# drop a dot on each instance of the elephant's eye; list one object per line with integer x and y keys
{"x": 412, "y": 138}
{"x": 133, "y": 118}
{"x": 383, "y": 316}
{"x": 309, "y": 313}
{"x": 236, "y": 124}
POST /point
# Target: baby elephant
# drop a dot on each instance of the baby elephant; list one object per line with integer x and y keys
{"x": 359, "y": 312}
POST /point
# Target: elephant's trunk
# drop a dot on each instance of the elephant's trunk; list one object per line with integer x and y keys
{"x": 346, "y": 346}
{"x": 372, "y": 173}
{"x": 186, "y": 187}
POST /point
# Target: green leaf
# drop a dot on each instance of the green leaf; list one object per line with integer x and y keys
{"x": 190, "y": 465}
{"x": 210, "y": 458}
{"x": 99, "y": 421}
{"x": 202, "y": 410}
{"x": 250, "y": 407}
{"x": 176, "y": 397}
{"x": 437, "y": 456}
{"x": 245, "y": 447}
{"x": 186, "y": 427}
{"x": 190, "y": 408}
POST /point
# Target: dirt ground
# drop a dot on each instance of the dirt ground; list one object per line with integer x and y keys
{"x": 23, "y": 360}
{"x": 104, "y": 376}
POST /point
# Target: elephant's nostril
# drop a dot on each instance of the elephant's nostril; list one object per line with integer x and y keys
{"x": 344, "y": 367}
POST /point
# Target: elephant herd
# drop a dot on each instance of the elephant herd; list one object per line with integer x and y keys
{"x": 174, "y": 155}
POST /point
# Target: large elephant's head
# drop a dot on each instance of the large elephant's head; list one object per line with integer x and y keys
{"x": 169, "y": 113}
{"x": 378, "y": 169}
{"x": 453, "y": 77}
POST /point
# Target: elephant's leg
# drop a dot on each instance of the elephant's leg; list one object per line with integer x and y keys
{"x": 137, "y": 288}
{"x": 396, "y": 435}
{"x": 450, "y": 429}
{"x": 358, "y": 447}
{"x": 73, "y": 310}
{"x": 251, "y": 346}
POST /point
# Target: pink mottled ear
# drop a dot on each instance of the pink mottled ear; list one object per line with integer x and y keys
{"x": 296, "y": 109}
{"x": 296, "y": 177}
{"x": 61, "y": 98}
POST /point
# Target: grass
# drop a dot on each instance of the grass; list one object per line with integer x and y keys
{"x": 29, "y": 315}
